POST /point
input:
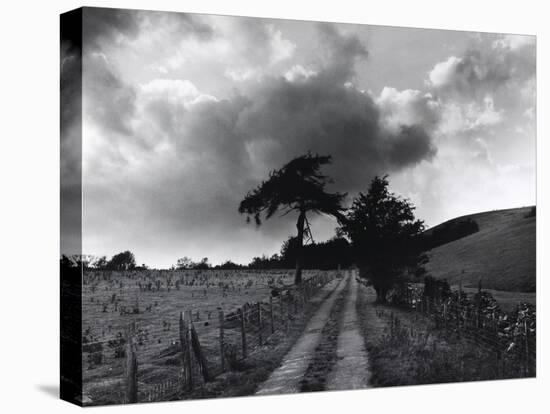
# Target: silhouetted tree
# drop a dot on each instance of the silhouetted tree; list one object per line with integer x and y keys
{"x": 202, "y": 265}
{"x": 101, "y": 263}
{"x": 66, "y": 262}
{"x": 297, "y": 186}
{"x": 322, "y": 255}
{"x": 436, "y": 288}
{"x": 184, "y": 263}
{"x": 384, "y": 235}
{"x": 229, "y": 265}
{"x": 122, "y": 261}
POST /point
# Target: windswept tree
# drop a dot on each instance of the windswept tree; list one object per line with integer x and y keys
{"x": 297, "y": 187}
{"x": 385, "y": 237}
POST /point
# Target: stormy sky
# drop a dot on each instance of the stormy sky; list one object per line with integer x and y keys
{"x": 183, "y": 114}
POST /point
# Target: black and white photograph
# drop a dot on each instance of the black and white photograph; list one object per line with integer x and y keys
{"x": 259, "y": 206}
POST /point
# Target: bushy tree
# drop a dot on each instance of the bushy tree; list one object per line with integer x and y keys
{"x": 321, "y": 255}
{"x": 184, "y": 263}
{"x": 204, "y": 264}
{"x": 122, "y": 261}
{"x": 384, "y": 235}
{"x": 229, "y": 265}
{"x": 101, "y": 263}
{"x": 297, "y": 187}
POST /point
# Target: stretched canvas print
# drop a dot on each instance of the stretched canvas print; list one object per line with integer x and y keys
{"x": 257, "y": 206}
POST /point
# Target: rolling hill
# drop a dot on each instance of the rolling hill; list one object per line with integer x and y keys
{"x": 502, "y": 253}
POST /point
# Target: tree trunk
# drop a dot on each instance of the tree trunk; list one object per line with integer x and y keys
{"x": 300, "y": 227}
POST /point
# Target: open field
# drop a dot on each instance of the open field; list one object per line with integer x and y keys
{"x": 153, "y": 301}
{"x": 502, "y": 254}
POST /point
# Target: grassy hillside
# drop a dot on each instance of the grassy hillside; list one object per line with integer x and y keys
{"x": 501, "y": 253}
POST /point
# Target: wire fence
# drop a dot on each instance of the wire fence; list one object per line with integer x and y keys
{"x": 157, "y": 362}
{"x": 478, "y": 319}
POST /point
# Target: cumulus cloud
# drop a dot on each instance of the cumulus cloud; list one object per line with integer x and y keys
{"x": 329, "y": 118}
{"x": 488, "y": 66}
{"x": 408, "y": 107}
{"x": 339, "y": 54}
{"x": 485, "y": 131}
{"x": 174, "y": 143}
{"x": 297, "y": 73}
{"x": 111, "y": 25}
{"x": 205, "y": 152}
{"x": 106, "y": 25}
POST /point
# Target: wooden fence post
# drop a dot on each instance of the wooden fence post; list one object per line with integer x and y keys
{"x": 221, "y": 318}
{"x": 131, "y": 366}
{"x": 243, "y": 332}
{"x": 260, "y": 323}
{"x": 284, "y": 317}
{"x": 185, "y": 340}
{"x": 281, "y": 311}
{"x": 458, "y": 316}
{"x": 271, "y": 314}
{"x": 203, "y": 365}
{"x": 526, "y": 332}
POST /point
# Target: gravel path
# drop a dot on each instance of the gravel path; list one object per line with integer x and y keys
{"x": 286, "y": 379}
{"x": 351, "y": 370}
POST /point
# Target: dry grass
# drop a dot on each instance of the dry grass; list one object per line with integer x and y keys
{"x": 414, "y": 352}
{"x": 158, "y": 321}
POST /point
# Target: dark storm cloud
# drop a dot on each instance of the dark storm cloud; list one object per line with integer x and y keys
{"x": 112, "y": 99}
{"x": 324, "y": 113}
{"x": 410, "y": 145}
{"x": 241, "y": 138}
{"x": 339, "y": 54}
{"x": 220, "y": 149}
{"x": 328, "y": 118}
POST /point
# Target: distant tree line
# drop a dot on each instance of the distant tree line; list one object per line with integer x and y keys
{"x": 121, "y": 261}
{"x": 323, "y": 255}
{"x": 378, "y": 233}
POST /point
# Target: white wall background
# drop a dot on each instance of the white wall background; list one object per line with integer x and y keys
{"x": 29, "y": 204}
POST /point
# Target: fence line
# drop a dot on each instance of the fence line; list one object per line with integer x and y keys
{"x": 511, "y": 337}
{"x": 207, "y": 353}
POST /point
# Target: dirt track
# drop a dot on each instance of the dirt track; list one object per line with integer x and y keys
{"x": 350, "y": 368}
